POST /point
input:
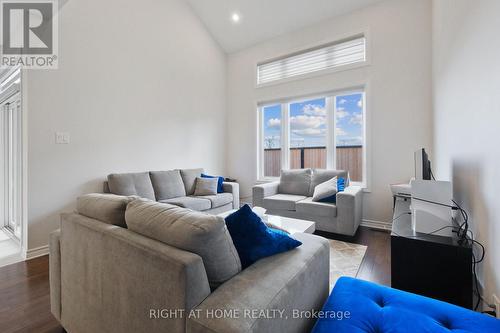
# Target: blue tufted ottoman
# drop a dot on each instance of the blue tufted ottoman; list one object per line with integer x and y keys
{"x": 357, "y": 306}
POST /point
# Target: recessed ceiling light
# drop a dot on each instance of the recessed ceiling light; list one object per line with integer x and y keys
{"x": 235, "y": 17}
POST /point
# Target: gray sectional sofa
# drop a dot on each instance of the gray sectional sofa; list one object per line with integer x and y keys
{"x": 175, "y": 187}
{"x": 291, "y": 196}
{"x": 124, "y": 264}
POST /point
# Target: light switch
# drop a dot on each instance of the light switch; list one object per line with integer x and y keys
{"x": 62, "y": 138}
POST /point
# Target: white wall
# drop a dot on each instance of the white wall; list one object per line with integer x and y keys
{"x": 467, "y": 117}
{"x": 399, "y": 96}
{"x": 140, "y": 86}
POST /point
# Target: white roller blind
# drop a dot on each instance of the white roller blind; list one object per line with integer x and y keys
{"x": 325, "y": 57}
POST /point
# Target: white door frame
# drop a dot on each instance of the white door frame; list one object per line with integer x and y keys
{"x": 9, "y": 93}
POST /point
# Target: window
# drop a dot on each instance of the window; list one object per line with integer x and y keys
{"x": 349, "y": 134}
{"x": 272, "y": 140}
{"x": 326, "y": 132}
{"x": 324, "y": 57}
{"x": 308, "y": 134}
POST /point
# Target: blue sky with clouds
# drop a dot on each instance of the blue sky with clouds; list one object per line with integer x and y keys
{"x": 308, "y": 122}
{"x": 349, "y": 119}
{"x": 272, "y": 126}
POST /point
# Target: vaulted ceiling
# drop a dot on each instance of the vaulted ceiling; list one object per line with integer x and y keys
{"x": 264, "y": 19}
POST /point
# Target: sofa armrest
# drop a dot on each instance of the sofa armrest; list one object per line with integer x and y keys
{"x": 259, "y": 192}
{"x": 55, "y": 273}
{"x": 293, "y": 280}
{"x": 112, "y": 272}
{"x": 350, "y": 207}
{"x": 233, "y": 188}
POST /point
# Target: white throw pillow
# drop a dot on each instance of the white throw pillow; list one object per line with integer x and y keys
{"x": 206, "y": 186}
{"x": 325, "y": 189}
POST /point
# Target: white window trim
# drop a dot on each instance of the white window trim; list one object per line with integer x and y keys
{"x": 260, "y": 142}
{"x": 330, "y": 106}
{"x": 285, "y": 136}
{"x": 330, "y": 132}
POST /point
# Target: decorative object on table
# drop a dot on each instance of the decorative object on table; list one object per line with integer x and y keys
{"x": 253, "y": 239}
{"x": 287, "y": 224}
{"x": 261, "y": 212}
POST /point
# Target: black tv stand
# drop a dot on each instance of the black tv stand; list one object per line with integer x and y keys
{"x": 431, "y": 265}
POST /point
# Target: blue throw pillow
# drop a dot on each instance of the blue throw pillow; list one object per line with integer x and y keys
{"x": 341, "y": 184}
{"x": 253, "y": 239}
{"x": 340, "y": 188}
{"x": 220, "y": 188}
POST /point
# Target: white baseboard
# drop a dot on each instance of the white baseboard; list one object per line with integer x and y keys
{"x": 37, "y": 252}
{"x": 376, "y": 224}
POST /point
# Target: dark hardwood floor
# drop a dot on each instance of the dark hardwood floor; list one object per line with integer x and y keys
{"x": 24, "y": 287}
{"x": 24, "y": 298}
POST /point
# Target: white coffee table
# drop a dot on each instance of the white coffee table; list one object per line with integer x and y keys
{"x": 289, "y": 224}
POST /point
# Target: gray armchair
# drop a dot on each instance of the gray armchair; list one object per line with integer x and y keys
{"x": 291, "y": 196}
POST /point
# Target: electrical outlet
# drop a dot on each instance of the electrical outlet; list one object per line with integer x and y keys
{"x": 496, "y": 302}
{"x": 62, "y": 138}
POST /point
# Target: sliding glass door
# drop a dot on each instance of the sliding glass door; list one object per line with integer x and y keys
{"x": 11, "y": 160}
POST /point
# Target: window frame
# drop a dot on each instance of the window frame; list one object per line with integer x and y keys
{"x": 331, "y": 144}
{"x": 338, "y": 38}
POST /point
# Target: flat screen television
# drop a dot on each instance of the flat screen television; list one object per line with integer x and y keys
{"x": 422, "y": 165}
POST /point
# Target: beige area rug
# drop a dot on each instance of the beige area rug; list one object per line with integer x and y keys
{"x": 345, "y": 259}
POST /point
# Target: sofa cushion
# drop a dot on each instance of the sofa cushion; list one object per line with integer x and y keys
{"x": 325, "y": 190}
{"x": 296, "y": 280}
{"x": 219, "y": 200}
{"x": 203, "y": 234}
{"x": 282, "y": 201}
{"x": 131, "y": 184}
{"x": 253, "y": 239}
{"x": 321, "y": 175}
{"x": 340, "y": 188}
{"x": 220, "y": 186}
{"x": 107, "y": 208}
{"x": 189, "y": 179}
{"x": 295, "y": 182}
{"x": 206, "y": 186}
{"x": 167, "y": 184}
{"x": 311, "y": 208}
{"x": 194, "y": 203}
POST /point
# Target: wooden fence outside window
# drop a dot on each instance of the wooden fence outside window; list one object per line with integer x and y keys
{"x": 349, "y": 158}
